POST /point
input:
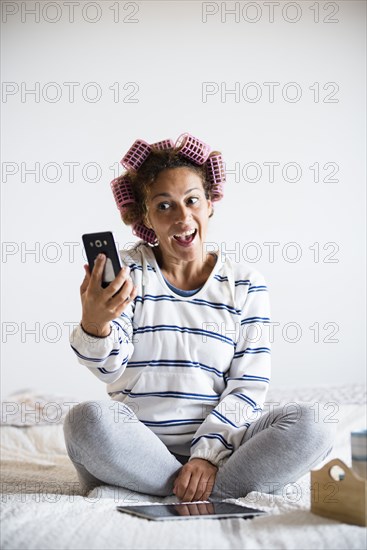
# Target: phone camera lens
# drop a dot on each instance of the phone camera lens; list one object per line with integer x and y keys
{"x": 98, "y": 243}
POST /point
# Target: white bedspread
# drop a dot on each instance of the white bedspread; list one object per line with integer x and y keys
{"x": 42, "y": 506}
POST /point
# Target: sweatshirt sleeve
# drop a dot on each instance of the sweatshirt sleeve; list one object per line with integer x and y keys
{"x": 247, "y": 381}
{"x": 106, "y": 357}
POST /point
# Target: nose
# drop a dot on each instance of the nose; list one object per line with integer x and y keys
{"x": 183, "y": 213}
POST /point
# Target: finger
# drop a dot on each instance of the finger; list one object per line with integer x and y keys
{"x": 175, "y": 483}
{"x": 194, "y": 510}
{"x": 133, "y": 294}
{"x": 208, "y": 488}
{"x": 201, "y": 489}
{"x": 192, "y": 488}
{"x": 204, "y": 487}
{"x": 182, "y": 482}
{"x": 182, "y": 510}
{"x": 126, "y": 294}
{"x": 118, "y": 310}
{"x": 202, "y": 509}
{"x": 119, "y": 281}
{"x": 97, "y": 272}
{"x": 134, "y": 290}
{"x": 85, "y": 283}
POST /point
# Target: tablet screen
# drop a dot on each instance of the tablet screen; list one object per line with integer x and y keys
{"x": 191, "y": 510}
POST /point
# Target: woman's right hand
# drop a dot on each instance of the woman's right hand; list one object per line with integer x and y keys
{"x": 99, "y": 304}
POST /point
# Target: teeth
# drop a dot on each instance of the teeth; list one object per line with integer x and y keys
{"x": 186, "y": 234}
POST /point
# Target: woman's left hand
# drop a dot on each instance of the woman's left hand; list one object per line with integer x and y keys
{"x": 195, "y": 480}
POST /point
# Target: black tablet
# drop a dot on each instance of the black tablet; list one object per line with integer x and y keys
{"x": 191, "y": 510}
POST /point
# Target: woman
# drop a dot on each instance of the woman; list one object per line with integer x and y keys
{"x": 180, "y": 338}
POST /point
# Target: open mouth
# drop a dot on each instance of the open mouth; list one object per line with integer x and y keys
{"x": 186, "y": 238}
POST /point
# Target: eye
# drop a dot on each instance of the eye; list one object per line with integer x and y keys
{"x": 195, "y": 199}
{"x": 161, "y": 206}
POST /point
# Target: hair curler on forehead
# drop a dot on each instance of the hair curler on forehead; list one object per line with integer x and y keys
{"x": 216, "y": 175}
{"x": 145, "y": 233}
{"x": 136, "y": 155}
{"x": 163, "y": 145}
{"x": 186, "y": 146}
{"x": 123, "y": 192}
{"x": 192, "y": 148}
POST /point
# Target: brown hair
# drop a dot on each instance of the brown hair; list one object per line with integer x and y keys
{"x": 146, "y": 175}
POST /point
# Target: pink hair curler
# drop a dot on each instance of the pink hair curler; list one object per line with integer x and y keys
{"x": 192, "y": 148}
{"x": 145, "y": 233}
{"x": 136, "y": 155}
{"x": 216, "y": 175}
{"x": 123, "y": 192}
{"x": 163, "y": 145}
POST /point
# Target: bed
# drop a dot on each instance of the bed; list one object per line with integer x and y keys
{"x": 42, "y": 505}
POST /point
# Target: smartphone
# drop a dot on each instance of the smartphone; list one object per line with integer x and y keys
{"x": 94, "y": 244}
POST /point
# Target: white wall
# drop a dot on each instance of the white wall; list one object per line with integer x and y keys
{"x": 168, "y": 53}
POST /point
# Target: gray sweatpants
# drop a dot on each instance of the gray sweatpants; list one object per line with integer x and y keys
{"x": 108, "y": 445}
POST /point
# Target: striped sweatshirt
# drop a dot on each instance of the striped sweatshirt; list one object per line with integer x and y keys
{"x": 194, "y": 369}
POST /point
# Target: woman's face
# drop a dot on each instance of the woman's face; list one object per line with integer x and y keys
{"x": 176, "y": 205}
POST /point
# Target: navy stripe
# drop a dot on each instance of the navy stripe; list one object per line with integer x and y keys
{"x": 133, "y": 267}
{"x": 250, "y": 351}
{"x": 220, "y": 278}
{"x": 257, "y": 288}
{"x": 195, "y": 301}
{"x": 113, "y": 352}
{"x": 214, "y": 436}
{"x": 178, "y": 422}
{"x": 175, "y": 363}
{"x": 248, "y": 400}
{"x": 249, "y": 378}
{"x": 217, "y": 305}
{"x": 242, "y": 282}
{"x": 250, "y": 320}
{"x": 115, "y": 322}
{"x": 173, "y": 394}
{"x": 223, "y": 418}
{"x": 104, "y": 371}
{"x": 175, "y": 328}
